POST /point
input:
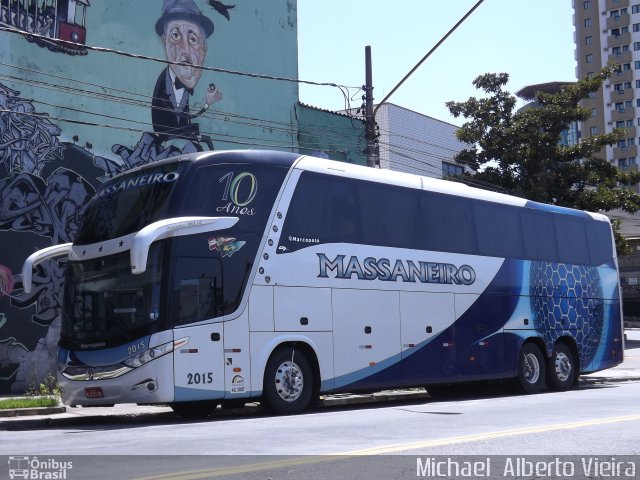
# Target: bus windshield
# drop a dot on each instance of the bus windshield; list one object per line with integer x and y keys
{"x": 128, "y": 203}
{"x": 105, "y": 303}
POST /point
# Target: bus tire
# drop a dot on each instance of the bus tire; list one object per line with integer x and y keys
{"x": 288, "y": 382}
{"x": 531, "y": 369}
{"x": 562, "y": 369}
{"x": 199, "y": 409}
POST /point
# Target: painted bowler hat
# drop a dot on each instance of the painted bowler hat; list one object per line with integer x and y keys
{"x": 183, "y": 10}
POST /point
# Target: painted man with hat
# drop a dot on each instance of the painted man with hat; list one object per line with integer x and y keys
{"x": 184, "y": 30}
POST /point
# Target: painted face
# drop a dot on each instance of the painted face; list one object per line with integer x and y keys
{"x": 184, "y": 41}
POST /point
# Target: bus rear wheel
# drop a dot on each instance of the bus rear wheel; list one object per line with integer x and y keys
{"x": 531, "y": 369}
{"x": 561, "y": 372}
{"x": 288, "y": 382}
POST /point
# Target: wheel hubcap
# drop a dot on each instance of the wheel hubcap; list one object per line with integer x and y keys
{"x": 289, "y": 381}
{"x": 531, "y": 368}
{"x": 563, "y": 366}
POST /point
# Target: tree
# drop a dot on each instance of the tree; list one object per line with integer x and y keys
{"x": 520, "y": 151}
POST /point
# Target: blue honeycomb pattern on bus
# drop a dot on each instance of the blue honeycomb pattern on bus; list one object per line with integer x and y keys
{"x": 564, "y": 299}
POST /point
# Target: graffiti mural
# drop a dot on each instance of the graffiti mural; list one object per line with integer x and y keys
{"x": 165, "y": 82}
{"x": 38, "y": 197}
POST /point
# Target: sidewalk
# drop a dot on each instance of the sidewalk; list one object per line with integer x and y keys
{"x": 629, "y": 370}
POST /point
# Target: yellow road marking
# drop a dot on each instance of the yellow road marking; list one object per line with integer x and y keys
{"x": 286, "y": 463}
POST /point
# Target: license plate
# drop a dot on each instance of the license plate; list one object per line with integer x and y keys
{"x": 93, "y": 392}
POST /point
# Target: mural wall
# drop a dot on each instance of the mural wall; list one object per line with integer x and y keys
{"x": 72, "y": 115}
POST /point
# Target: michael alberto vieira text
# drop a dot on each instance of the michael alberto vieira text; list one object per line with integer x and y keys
{"x": 523, "y": 467}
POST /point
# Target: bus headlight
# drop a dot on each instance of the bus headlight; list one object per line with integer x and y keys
{"x": 145, "y": 357}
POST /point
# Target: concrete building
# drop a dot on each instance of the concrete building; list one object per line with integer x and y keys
{"x": 608, "y": 32}
{"x": 415, "y": 143}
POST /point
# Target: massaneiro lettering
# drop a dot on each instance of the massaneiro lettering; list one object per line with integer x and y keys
{"x": 149, "y": 179}
{"x": 390, "y": 271}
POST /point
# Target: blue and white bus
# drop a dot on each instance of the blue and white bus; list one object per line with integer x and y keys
{"x": 228, "y": 276}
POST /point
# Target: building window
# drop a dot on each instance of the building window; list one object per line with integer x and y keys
{"x": 636, "y": 45}
{"x": 626, "y": 66}
{"x": 449, "y": 169}
{"x": 622, "y": 163}
{"x": 622, "y": 144}
{"x": 593, "y": 130}
{"x": 619, "y": 106}
{"x": 637, "y": 102}
{"x": 635, "y": 9}
{"x": 624, "y": 29}
{"x": 589, "y": 40}
{"x": 615, "y": 32}
{"x": 636, "y": 64}
{"x": 630, "y": 123}
{"x": 615, "y": 14}
{"x": 590, "y": 59}
{"x": 618, "y": 87}
{"x": 637, "y": 83}
{"x": 625, "y": 48}
{"x": 628, "y": 104}
{"x": 631, "y": 141}
{"x": 639, "y": 121}
{"x": 636, "y": 27}
{"x": 617, "y": 51}
{"x": 586, "y": 5}
{"x": 588, "y": 23}
{"x": 592, "y": 95}
{"x": 620, "y": 124}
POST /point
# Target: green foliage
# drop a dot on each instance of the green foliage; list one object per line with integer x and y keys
{"x": 48, "y": 388}
{"x": 520, "y": 151}
{"x": 28, "y": 402}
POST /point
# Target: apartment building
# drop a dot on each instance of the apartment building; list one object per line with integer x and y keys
{"x": 607, "y": 32}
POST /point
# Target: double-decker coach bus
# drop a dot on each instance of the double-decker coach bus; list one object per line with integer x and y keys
{"x": 227, "y": 276}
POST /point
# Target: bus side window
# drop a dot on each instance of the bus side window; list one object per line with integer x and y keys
{"x": 499, "y": 232}
{"x": 197, "y": 289}
{"x": 572, "y": 240}
{"x": 599, "y": 240}
{"x": 539, "y": 236}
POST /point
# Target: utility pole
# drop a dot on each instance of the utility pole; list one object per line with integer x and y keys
{"x": 370, "y": 119}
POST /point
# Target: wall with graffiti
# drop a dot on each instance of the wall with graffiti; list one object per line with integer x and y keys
{"x": 72, "y": 115}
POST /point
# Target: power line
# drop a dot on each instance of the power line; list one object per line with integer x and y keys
{"x": 168, "y": 62}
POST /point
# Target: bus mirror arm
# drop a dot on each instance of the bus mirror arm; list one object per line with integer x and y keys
{"x": 37, "y": 258}
{"x": 172, "y": 227}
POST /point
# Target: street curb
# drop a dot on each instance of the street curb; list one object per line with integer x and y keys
{"x": 23, "y": 412}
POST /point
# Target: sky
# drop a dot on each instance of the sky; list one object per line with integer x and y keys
{"x": 532, "y": 41}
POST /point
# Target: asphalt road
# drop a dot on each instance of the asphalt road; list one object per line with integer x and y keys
{"x": 598, "y": 422}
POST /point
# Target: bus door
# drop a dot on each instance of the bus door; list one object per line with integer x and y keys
{"x": 196, "y": 296}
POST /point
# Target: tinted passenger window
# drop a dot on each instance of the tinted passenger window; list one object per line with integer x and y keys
{"x": 447, "y": 224}
{"x": 499, "y": 232}
{"x": 572, "y": 240}
{"x": 539, "y": 237}
{"x": 599, "y": 241}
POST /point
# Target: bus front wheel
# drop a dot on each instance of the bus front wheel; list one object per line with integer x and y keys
{"x": 562, "y": 372}
{"x": 288, "y": 382}
{"x": 531, "y": 369}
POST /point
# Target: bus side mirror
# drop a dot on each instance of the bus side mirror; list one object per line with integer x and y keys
{"x": 172, "y": 227}
{"x": 37, "y": 258}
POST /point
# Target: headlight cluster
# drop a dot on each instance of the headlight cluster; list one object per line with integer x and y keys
{"x": 148, "y": 355}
